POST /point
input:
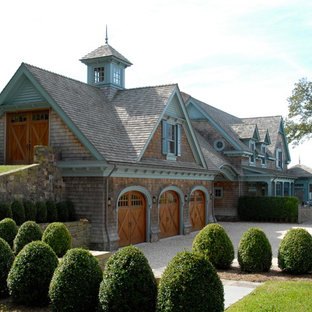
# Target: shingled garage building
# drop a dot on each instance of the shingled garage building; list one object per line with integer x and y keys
{"x": 141, "y": 164}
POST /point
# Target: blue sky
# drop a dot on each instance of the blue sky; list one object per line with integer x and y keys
{"x": 241, "y": 56}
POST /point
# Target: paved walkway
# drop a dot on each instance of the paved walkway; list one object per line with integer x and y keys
{"x": 160, "y": 253}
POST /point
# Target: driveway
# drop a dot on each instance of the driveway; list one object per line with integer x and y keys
{"x": 161, "y": 252}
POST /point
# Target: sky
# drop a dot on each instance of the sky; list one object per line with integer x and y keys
{"x": 242, "y": 56}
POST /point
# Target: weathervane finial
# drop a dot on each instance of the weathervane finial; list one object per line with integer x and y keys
{"x": 106, "y": 38}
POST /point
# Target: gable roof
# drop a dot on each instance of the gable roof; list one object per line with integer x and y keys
{"x": 244, "y": 131}
{"x": 301, "y": 171}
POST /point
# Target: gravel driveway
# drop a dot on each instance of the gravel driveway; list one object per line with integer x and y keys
{"x": 161, "y": 252}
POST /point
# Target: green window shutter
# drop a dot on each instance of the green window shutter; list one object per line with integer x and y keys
{"x": 164, "y": 139}
{"x": 178, "y": 127}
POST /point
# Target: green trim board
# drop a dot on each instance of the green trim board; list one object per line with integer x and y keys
{"x": 282, "y": 132}
{"x": 12, "y": 86}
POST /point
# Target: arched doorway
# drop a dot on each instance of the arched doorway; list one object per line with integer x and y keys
{"x": 169, "y": 219}
{"x": 197, "y": 210}
{"x": 131, "y": 218}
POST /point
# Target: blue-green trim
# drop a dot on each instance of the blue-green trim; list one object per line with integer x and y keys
{"x": 15, "y": 107}
{"x": 181, "y": 202}
{"x": 22, "y": 70}
{"x": 238, "y": 153}
{"x": 149, "y": 203}
{"x": 207, "y": 199}
{"x": 282, "y": 132}
{"x": 229, "y": 172}
{"x": 213, "y": 123}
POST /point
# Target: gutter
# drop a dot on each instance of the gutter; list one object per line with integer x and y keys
{"x": 105, "y": 210}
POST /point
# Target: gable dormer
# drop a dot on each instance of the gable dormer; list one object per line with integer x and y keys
{"x": 106, "y": 67}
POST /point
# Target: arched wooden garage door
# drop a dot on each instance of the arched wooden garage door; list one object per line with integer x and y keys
{"x": 131, "y": 219}
{"x": 169, "y": 220}
{"x": 197, "y": 210}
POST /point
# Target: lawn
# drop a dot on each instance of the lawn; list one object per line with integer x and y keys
{"x": 277, "y": 297}
{"x": 8, "y": 168}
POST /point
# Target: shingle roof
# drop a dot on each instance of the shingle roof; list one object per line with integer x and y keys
{"x": 301, "y": 171}
{"x": 244, "y": 131}
{"x": 105, "y": 50}
{"x": 117, "y": 129}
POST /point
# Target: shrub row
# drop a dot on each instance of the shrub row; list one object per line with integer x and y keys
{"x": 251, "y": 208}
{"x": 40, "y": 211}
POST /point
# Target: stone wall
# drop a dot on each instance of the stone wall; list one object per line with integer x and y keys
{"x": 38, "y": 182}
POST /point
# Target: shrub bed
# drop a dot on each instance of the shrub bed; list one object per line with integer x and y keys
{"x": 62, "y": 211}
{"x": 275, "y": 209}
{"x": 31, "y": 273}
{"x": 8, "y": 230}
{"x": 190, "y": 283}
{"x": 5, "y": 211}
{"x": 128, "y": 283}
{"x": 41, "y": 212}
{"x": 18, "y": 212}
{"x": 30, "y": 210}
{"x": 295, "y": 252}
{"x": 254, "y": 251}
{"x": 76, "y": 281}
{"x": 51, "y": 211}
{"x": 214, "y": 242}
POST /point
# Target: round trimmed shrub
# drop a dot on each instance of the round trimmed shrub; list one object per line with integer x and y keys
{"x": 254, "y": 251}
{"x": 62, "y": 211}
{"x": 295, "y": 252}
{"x": 71, "y": 210}
{"x": 5, "y": 211}
{"x": 8, "y": 230}
{"x": 128, "y": 283}
{"x": 51, "y": 211}
{"x": 190, "y": 283}
{"x": 6, "y": 261}
{"x": 76, "y": 281}
{"x": 18, "y": 212}
{"x": 28, "y": 232}
{"x": 30, "y": 210}
{"x": 214, "y": 242}
{"x": 31, "y": 273}
{"x": 41, "y": 212}
{"x": 57, "y": 236}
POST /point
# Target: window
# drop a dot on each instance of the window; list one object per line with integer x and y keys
{"x": 219, "y": 145}
{"x": 252, "y": 187}
{"x": 278, "y": 189}
{"x": 98, "y": 74}
{"x": 116, "y": 75}
{"x": 252, "y": 157}
{"x": 171, "y": 139}
{"x": 279, "y": 159}
{"x": 263, "y": 150}
{"x": 218, "y": 192}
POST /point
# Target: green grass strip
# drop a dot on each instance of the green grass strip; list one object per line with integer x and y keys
{"x": 277, "y": 297}
{"x": 8, "y": 168}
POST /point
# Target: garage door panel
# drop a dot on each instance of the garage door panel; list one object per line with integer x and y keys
{"x": 197, "y": 210}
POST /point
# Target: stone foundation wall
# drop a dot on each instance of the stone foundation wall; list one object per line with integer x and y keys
{"x": 38, "y": 182}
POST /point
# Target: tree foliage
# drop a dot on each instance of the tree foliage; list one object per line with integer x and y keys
{"x": 299, "y": 121}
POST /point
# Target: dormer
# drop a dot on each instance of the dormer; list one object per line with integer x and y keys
{"x": 106, "y": 67}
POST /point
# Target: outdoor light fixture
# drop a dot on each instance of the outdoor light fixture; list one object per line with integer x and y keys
{"x": 154, "y": 199}
{"x": 109, "y": 201}
{"x": 186, "y": 197}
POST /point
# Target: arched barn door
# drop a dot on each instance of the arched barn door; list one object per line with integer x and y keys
{"x": 169, "y": 220}
{"x": 131, "y": 219}
{"x": 197, "y": 210}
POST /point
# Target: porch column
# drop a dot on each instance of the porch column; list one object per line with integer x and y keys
{"x": 269, "y": 188}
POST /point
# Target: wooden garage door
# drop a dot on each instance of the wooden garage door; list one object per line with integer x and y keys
{"x": 131, "y": 219}
{"x": 197, "y": 210}
{"x": 24, "y": 131}
{"x": 169, "y": 220}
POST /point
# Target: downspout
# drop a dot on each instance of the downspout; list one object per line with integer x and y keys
{"x": 105, "y": 201}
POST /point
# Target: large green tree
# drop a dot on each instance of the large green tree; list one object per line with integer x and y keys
{"x": 299, "y": 121}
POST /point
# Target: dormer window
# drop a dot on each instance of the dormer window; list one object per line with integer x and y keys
{"x": 263, "y": 150}
{"x": 171, "y": 139}
{"x": 279, "y": 159}
{"x": 116, "y": 75}
{"x": 98, "y": 74}
{"x": 252, "y": 158}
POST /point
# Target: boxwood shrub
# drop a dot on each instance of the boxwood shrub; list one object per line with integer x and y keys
{"x": 8, "y": 230}
{"x": 57, "y": 236}
{"x": 41, "y": 212}
{"x": 295, "y": 252}
{"x": 28, "y": 232}
{"x": 18, "y": 212}
{"x": 31, "y": 273}
{"x": 62, "y": 211}
{"x": 51, "y": 211}
{"x": 5, "y": 210}
{"x": 30, "y": 210}
{"x": 254, "y": 251}
{"x": 266, "y": 208}
{"x": 76, "y": 281}
{"x": 190, "y": 283}
{"x": 6, "y": 261}
{"x": 71, "y": 210}
{"x": 214, "y": 242}
{"x": 129, "y": 283}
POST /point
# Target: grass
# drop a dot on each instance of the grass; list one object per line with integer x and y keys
{"x": 277, "y": 297}
{"x": 8, "y": 168}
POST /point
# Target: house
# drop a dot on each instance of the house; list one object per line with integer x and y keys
{"x": 145, "y": 163}
{"x": 303, "y": 183}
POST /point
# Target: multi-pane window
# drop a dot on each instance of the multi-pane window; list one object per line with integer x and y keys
{"x": 218, "y": 192}
{"x": 279, "y": 159}
{"x": 98, "y": 74}
{"x": 171, "y": 139}
{"x": 263, "y": 150}
{"x": 116, "y": 75}
{"x": 252, "y": 146}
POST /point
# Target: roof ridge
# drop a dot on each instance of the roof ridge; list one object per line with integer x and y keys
{"x": 262, "y": 117}
{"x": 156, "y": 86}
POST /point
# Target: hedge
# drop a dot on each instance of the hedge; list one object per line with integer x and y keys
{"x": 275, "y": 209}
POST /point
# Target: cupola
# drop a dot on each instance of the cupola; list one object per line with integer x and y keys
{"x": 106, "y": 67}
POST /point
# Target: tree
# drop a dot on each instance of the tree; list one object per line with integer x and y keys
{"x": 299, "y": 121}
